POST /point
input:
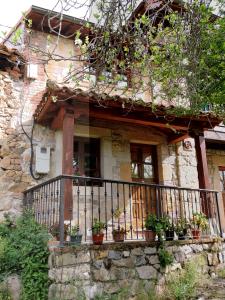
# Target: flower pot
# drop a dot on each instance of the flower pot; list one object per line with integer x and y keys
{"x": 118, "y": 236}
{"x": 169, "y": 235}
{"x": 149, "y": 235}
{"x": 181, "y": 236}
{"x": 98, "y": 238}
{"x": 76, "y": 239}
{"x": 196, "y": 233}
{"x": 57, "y": 236}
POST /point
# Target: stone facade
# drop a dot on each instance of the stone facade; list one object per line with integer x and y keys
{"x": 15, "y": 149}
{"x": 92, "y": 270}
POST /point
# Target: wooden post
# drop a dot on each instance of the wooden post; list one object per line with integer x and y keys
{"x": 67, "y": 163}
{"x": 203, "y": 172}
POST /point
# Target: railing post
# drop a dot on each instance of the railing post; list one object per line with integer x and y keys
{"x": 61, "y": 212}
{"x": 218, "y": 213}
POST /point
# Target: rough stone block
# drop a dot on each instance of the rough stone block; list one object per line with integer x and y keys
{"x": 114, "y": 254}
{"x": 124, "y": 262}
{"x": 147, "y": 272}
{"x": 197, "y": 248}
{"x": 68, "y": 274}
{"x": 153, "y": 259}
{"x": 137, "y": 251}
{"x": 150, "y": 250}
{"x": 140, "y": 260}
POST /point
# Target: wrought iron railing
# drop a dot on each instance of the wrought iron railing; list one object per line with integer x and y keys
{"x": 118, "y": 204}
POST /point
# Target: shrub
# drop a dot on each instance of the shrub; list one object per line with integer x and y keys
{"x": 183, "y": 286}
{"x": 24, "y": 251}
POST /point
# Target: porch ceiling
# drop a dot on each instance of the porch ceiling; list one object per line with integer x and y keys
{"x": 91, "y": 106}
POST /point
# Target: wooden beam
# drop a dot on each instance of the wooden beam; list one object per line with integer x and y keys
{"x": 67, "y": 163}
{"x": 203, "y": 172}
{"x": 57, "y": 122}
{"x": 177, "y": 138}
{"x": 111, "y": 117}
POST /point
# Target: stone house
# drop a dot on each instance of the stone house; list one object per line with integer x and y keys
{"x": 132, "y": 162}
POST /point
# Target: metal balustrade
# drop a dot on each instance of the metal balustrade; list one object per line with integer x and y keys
{"x": 118, "y": 204}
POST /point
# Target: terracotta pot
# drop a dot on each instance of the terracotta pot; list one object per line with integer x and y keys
{"x": 57, "y": 236}
{"x": 149, "y": 235}
{"x": 98, "y": 238}
{"x": 118, "y": 236}
{"x": 196, "y": 233}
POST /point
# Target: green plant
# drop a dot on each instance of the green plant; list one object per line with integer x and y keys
{"x": 97, "y": 227}
{"x": 181, "y": 226}
{"x": 151, "y": 222}
{"x": 5, "y": 293}
{"x": 55, "y": 229}
{"x": 180, "y": 286}
{"x": 165, "y": 257}
{"x": 199, "y": 221}
{"x": 166, "y": 223}
{"x": 24, "y": 251}
{"x": 74, "y": 230}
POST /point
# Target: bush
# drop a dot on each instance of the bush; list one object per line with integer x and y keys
{"x": 24, "y": 251}
{"x": 183, "y": 286}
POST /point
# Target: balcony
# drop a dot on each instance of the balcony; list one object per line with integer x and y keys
{"x": 118, "y": 204}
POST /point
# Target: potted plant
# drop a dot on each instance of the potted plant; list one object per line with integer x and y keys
{"x": 199, "y": 224}
{"x": 97, "y": 232}
{"x": 153, "y": 227}
{"x": 181, "y": 228}
{"x": 167, "y": 227}
{"x": 55, "y": 231}
{"x": 119, "y": 234}
{"x": 75, "y": 235}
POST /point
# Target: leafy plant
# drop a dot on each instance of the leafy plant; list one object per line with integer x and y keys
{"x": 165, "y": 257}
{"x": 97, "y": 227}
{"x": 200, "y": 221}
{"x": 24, "y": 251}
{"x": 166, "y": 223}
{"x": 55, "y": 229}
{"x": 74, "y": 230}
{"x": 183, "y": 285}
{"x": 182, "y": 226}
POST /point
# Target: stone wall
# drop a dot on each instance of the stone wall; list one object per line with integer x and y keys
{"x": 91, "y": 270}
{"x": 15, "y": 109}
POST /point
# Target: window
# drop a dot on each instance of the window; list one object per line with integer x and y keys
{"x": 222, "y": 177}
{"x": 143, "y": 163}
{"x": 86, "y": 157}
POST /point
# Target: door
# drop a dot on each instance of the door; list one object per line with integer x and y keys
{"x": 143, "y": 170}
{"x": 222, "y": 182}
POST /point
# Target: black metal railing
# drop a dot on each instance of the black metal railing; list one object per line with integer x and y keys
{"x": 67, "y": 201}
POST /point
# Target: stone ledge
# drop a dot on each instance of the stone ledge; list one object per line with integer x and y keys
{"x": 129, "y": 245}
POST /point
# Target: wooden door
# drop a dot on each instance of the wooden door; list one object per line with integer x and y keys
{"x": 222, "y": 182}
{"x": 143, "y": 170}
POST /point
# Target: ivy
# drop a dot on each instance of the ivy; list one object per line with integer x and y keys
{"x": 24, "y": 251}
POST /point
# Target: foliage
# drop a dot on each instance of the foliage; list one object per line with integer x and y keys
{"x": 165, "y": 257}
{"x": 5, "y": 293}
{"x": 183, "y": 286}
{"x": 200, "y": 221}
{"x": 74, "y": 230}
{"x": 166, "y": 223}
{"x": 24, "y": 251}
{"x": 182, "y": 226}
{"x": 55, "y": 229}
{"x": 177, "y": 55}
{"x": 97, "y": 227}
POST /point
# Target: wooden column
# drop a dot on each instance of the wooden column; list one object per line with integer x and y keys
{"x": 203, "y": 172}
{"x": 67, "y": 161}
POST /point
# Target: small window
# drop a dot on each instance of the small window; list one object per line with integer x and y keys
{"x": 86, "y": 157}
